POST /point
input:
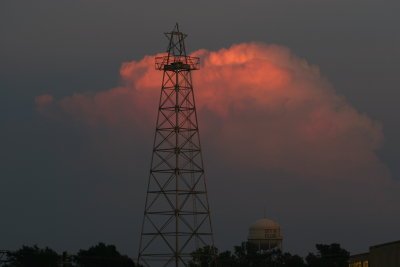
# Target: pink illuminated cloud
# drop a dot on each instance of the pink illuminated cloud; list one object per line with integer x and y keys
{"x": 261, "y": 103}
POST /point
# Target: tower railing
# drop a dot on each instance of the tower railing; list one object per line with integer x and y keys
{"x": 177, "y": 62}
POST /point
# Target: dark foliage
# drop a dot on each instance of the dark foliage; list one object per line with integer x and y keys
{"x": 205, "y": 256}
{"x": 33, "y": 257}
{"x": 328, "y": 256}
{"x": 246, "y": 255}
{"x": 102, "y": 255}
{"x": 289, "y": 260}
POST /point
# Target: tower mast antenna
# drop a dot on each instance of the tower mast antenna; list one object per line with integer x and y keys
{"x": 176, "y": 219}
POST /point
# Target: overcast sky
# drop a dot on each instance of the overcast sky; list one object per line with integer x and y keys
{"x": 68, "y": 185}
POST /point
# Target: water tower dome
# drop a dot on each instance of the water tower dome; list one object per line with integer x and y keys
{"x": 265, "y": 234}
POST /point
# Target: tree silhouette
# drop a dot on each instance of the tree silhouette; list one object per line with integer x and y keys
{"x": 226, "y": 258}
{"x": 248, "y": 255}
{"x": 102, "y": 255}
{"x": 289, "y": 260}
{"x": 204, "y": 257}
{"x": 245, "y": 255}
{"x": 33, "y": 257}
{"x": 328, "y": 256}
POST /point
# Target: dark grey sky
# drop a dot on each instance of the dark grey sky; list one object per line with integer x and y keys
{"x": 58, "y": 188}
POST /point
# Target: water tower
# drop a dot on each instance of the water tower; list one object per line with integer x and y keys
{"x": 265, "y": 234}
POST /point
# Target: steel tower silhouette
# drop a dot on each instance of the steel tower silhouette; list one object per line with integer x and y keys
{"x": 176, "y": 218}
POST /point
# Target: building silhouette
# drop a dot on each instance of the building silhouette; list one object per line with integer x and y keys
{"x": 382, "y": 255}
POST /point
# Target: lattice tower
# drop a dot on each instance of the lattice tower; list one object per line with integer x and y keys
{"x": 176, "y": 218}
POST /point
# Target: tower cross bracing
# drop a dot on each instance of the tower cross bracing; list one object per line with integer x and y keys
{"x": 176, "y": 218}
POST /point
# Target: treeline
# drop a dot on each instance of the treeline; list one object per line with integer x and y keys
{"x": 101, "y": 255}
{"x": 245, "y": 255}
